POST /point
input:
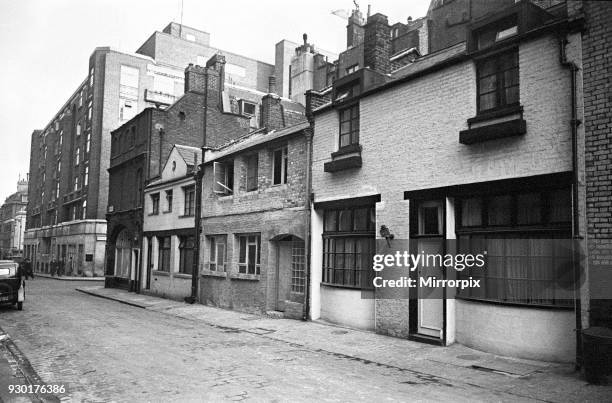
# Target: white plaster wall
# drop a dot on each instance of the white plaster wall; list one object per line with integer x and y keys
{"x": 536, "y": 334}
{"x": 346, "y": 307}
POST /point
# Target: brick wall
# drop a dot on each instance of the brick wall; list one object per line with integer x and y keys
{"x": 597, "y": 79}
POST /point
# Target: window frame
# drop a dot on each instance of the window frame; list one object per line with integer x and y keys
{"x": 189, "y": 206}
{"x": 213, "y": 255}
{"x": 501, "y": 101}
{"x": 244, "y": 266}
{"x": 331, "y": 237}
{"x": 354, "y": 123}
{"x": 547, "y": 228}
{"x": 164, "y": 254}
{"x": 284, "y": 164}
{"x": 184, "y": 241}
{"x": 225, "y": 169}
{"x": 252, "y": 172}
{"x": 154, "y": 203}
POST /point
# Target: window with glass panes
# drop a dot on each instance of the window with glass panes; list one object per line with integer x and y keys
{"x": 348, "y": 246}
{"x": 217, "y": 257}
{"x": 186, "y": 253}
{"x": 349, "y": 126}
{"x": 163, "y": 263}
{"x": 498, "y": 81}
{"x": 189, "y": 193}
{"x": 249, "y": 254}
{"x": 280, "y": 162}
{"x": 526, "y": 237}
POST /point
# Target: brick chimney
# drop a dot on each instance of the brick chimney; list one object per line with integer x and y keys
{"x": 215, "y": 68}
{"x": 377, "y": 43}
{"x": 272, "y": 116}
{"x": 195, "y": 78}
{"x": 354, "y": 29}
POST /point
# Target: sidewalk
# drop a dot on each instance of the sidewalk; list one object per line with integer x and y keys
{"x": 69, "y": 278}
{"x": 441, "y": 365}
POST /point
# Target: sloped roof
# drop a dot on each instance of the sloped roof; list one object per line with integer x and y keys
{"x": 252, "y": 140}
{"x": 189, "y": 154}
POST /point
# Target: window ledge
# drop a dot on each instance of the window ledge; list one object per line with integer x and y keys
{"x": 212, "y": 273}
{"x": 494, "y": 130}
{"x": 160, "y": 273}
{"x": 496, "y": 113}
{"x": 182, "y": 275}
{"x": 186, "y": 216}
{"x": 243, "y": 276}
{"x": 345, "y": 158}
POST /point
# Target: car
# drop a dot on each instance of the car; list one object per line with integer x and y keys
{"x": 12, "y": 284}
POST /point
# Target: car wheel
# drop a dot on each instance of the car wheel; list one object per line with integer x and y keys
{"x": 20, "y": 306}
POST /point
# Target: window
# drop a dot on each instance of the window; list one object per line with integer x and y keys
{"x": 81, "y": 98}
{"x": 223, "y": 177}
{"x": 163, "y": 261}
{"x": 89, "y": 111}
{"x": 86, "y": 176}
{"x": 91, "y": 77}
{"x": 186, "y": 254}
{"x": 216, "y": 261}
{"x": 61, "y": 138}
{"x": 189, "y": 193}
{"x": 88, "y": 143}
{"x": 78, "y": 129}
{"x": 348, "y": 246}
{"x": 498, "y": 31}
{"x": 498, "y": 81}
{"x": 77, "y": 156}
{"x": 76, "y": 183}
{"x": 352, "y": 69}
{"x": 84, "y": 210}
{"x": 248, "y": 256}
{"x": 247, "y": 108}
{"x": 298, "y": 272}
{"x": 168, "y": 201}
{"x": 57, "y": 189}
{"x": 155, "y": 203}
{"x": 279, "y": 165}
{"x": 526, "y": 237}
{"x": 252, "y": 168}
{"x": 129, "y": 76}
{"x": 349, "y": 126}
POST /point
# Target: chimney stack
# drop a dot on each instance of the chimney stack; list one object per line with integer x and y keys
{"x": 354, "y": 29}
{"x": 195, "y": 78}
{"x": 272, "y": 85}
{"x": 377, "y": 44}
{"x": 272, "y": 113}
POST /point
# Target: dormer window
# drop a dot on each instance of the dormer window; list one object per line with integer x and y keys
{"x": 492, "y": 34}
{"x": 247, "y": 108}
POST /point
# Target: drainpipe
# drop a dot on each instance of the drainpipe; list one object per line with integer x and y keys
{"x": 308, "y": 244}
{"x": 576, "y": 236}
{"x": 198, "y": 175}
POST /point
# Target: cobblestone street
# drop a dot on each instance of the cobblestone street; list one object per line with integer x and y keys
{"x": 102, "y": 350}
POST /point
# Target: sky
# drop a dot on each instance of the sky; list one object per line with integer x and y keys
{"x": 46, "y": 44}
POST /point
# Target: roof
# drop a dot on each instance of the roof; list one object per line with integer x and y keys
{"x": 252, "y": 140}
{"x": 189, "y": 154}
{"x": 432, "y": 59}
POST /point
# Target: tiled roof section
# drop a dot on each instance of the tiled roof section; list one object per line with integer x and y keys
{"x": 430, "y": 60}
{"x": 189, "y": 154}
{"x": 254, "y": 139}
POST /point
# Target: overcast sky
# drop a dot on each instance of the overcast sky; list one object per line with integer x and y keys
{"x": 46, "y": 44}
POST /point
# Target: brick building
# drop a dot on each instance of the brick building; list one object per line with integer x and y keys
{"x": 597, "y": 79}
{"x": 13, "y": 221}
{"x": 480, "y": 158}
{"x": 69, "y": 158}
{"x": 255, "y": 216}
{"x": 168, "y": 227}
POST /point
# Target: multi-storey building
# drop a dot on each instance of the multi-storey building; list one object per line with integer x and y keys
{"x": 466, "y": 148}
{"x": 255, "y": 216}
{"x": 13, "y": 220}
{"x": 169, "y": 250}
{"x": 69, "y": 158}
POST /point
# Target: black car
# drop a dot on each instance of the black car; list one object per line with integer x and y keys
{"x": 12, "y": 284}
